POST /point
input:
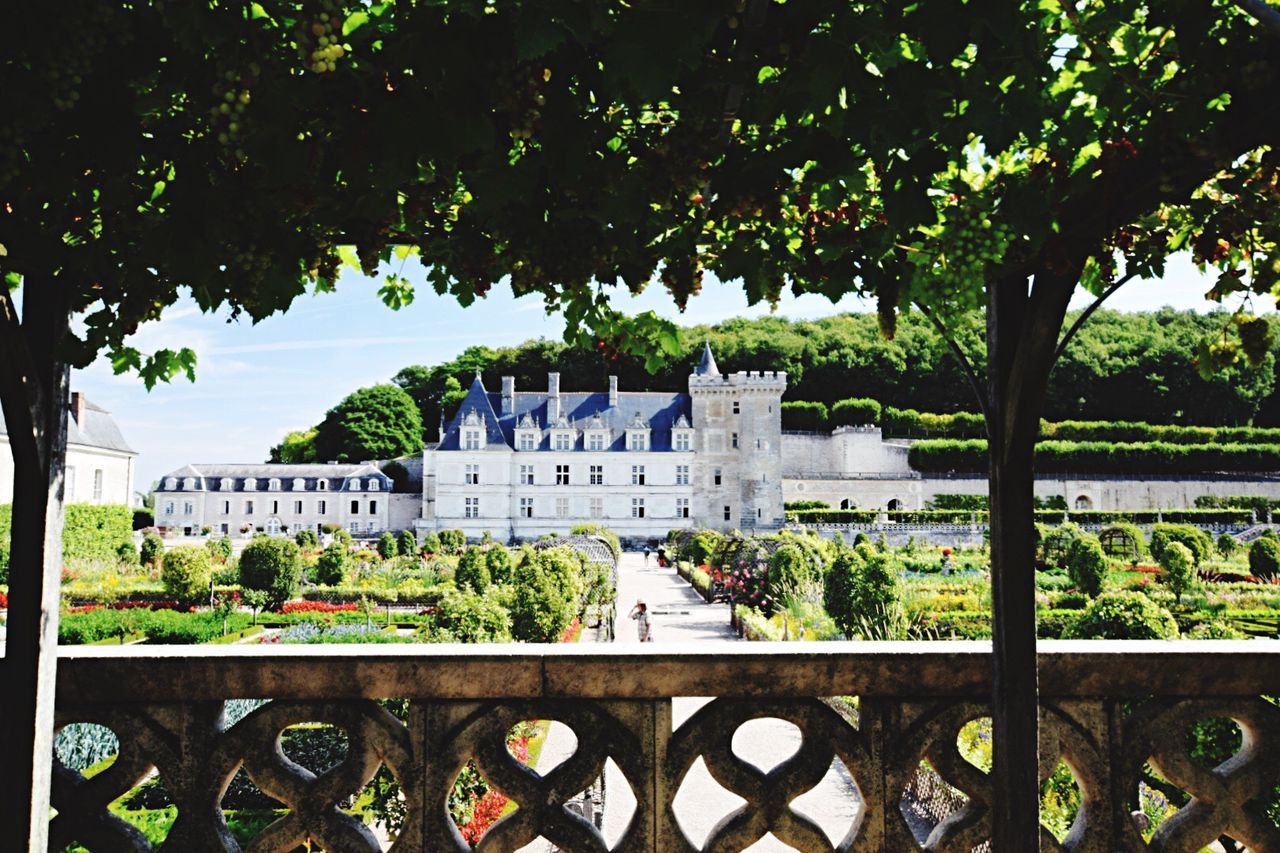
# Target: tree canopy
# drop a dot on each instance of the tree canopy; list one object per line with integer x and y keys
{"x": 379, "y": 422}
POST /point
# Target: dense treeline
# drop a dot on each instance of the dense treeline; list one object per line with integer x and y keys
{"x": 1065, "y": 457}
{"x": 1122, "y": 366}
{"x": 912, "y": 424}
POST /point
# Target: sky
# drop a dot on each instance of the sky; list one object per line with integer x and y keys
{"x": 254, "y": 383}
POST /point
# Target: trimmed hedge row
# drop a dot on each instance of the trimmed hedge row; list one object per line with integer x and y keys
{"x": 89, "y": 532}
{"x": 1079, "y": 516}
{"x": 941, "y": 455}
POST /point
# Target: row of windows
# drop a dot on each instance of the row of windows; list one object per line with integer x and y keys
{"x": 275, "y": 527}
{"x": 473, "y": 439}
{"x": 322, "y": 507}
{"x": 595, "y": 475}
{"x": 562, "y": 507}
{"x": 70, "y": 490}
{"x": 227, "y": 484}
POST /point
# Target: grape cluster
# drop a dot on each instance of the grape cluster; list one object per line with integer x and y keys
{"x": 682, "y": 277}
{"x": 969, "y": 243}
{"x": 1255, "y": 338}
{"x": 523, "y": 100}
{"x": 319, "y": 38}
{"x": 227, "y": 116}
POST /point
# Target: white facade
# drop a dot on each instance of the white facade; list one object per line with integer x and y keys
{"x": 100, "y": 465}
{"x": 241, "y": 500}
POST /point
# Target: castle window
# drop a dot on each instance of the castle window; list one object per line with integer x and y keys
{"x": 248, "y": 507}
{"x": 728, "y": 513}
{"x": 682, "y": 507}
{"x": 737, "y": 407}
{"x": 275, "y": 507}
{"x": 735, "y": 441}
{"x": 226, "y": 485}
{"x": 322, "y": 485}
{"x": 562, "y": 507}
{"x": 595, "y": 441}
{"x": 373, "y": 507}
{"x": 562, "y": 475}
{"x": 70, "y": 484}
{"x": 299, "y": 484}
{"x": 321, "y": 506}
{"x": 170, "y": 483}
{"x": 1084, "y": 502}
{"x": 471, "y": 508}
{"x": 354, "y": 485}
{"x": 637, "y": 475}
{"x": 526, "y": 475}
{"x": 471, "y": 439}
{"x": 355, "y": 507}
{"x": 188, "y": 484}
{"x": 472, "y": 475}
{"x": 715, "y": 477}
{"x": 596, "y": 475}
{"x": 527, "y": 441}
{"x": 97, "y": 484}
{"x": 168, "y": 507}
{"x": 682, "y": 441}
{"x": 637, "y": 507}
{"x": 682, "y": 475}
{"x": 273, "y": 485}
{"x": 526, "y": 507}
{"x": 188, "y": 508}
{"x": 637, "y": 441}
{"x": 250, "y": 485}
{"x": 226, "y": 507}
{"x": 564, "y": 441}
{"x": 297, "y": 507}
{"x": 595, "y": 507}
{"x": 374, "y": 485}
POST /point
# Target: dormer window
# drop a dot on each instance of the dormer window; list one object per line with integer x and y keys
{"x": 373, "y": 484}
{"x": 528, "y": 433}
{"x": 250, "y": 484}
{"x": 354, "y": 485}
{"x": 563, "y": 435}
{"x": 471, "y": 439}
{"x": 170, "y": 484}
{"x": 299, "y": 484}
{"x": 188, "y": 484}
{"x": 322, "y": 485}
{"x": 681, "y": 434}
{"x": 273, "y": 485}
{"x": 226, "y": 484}
{"x": 637, "y": 434}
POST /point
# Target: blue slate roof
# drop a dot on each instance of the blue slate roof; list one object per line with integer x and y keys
{"x": 657, "y": 409}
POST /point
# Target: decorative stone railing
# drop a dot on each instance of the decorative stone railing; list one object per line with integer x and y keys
{"x": 1107, "y": 709}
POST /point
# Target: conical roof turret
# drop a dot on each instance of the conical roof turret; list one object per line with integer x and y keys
{"x": 707, "y": 366}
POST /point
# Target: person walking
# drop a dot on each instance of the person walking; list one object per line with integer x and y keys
{"x": 644, "y": 624}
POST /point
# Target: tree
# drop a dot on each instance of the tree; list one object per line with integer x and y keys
{"x": 152, "y": 549}
{"x": 498, "y": 562}
{"x": 387, "y": 545}
{"x": 473, "y": 570}
{"x": 306, "y": 538}
{"x": 331, "y": 566}
{"x": 1264, "y": 558}
{"x": 272, "y": 566}
{"x": 407, "y": 544}
{"x": 1087, "y": 564}
{"x": 379, "y": 422}
{"x": 187, "y": 573}
{"x": 1179, "y": 566}
{"x": 840, "y": 590}
{"x": 296, "y": 447}
{"x": 221, "y": 548}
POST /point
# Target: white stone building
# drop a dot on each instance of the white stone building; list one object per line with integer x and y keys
{"x": 519, "y": 463}
{"x": 274, "y": 499}
{"x": 100, "y": 463}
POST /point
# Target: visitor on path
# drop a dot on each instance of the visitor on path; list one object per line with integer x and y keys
{"x": 644, "y": 625}
{"x": 646, "y": 556}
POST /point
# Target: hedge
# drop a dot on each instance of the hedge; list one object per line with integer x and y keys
{"x": 1254, "y": 503}
{"x": 89, "y": 532}
{"x": 1052, "y": 516}
{"x": 855, "y": 411}
{"x": 804, "y": 416}
{"x": 909, "y": 422}
{"x": 940, "y": 455}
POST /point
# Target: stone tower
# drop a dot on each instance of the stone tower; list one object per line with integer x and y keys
{"x": 738, "y": 466}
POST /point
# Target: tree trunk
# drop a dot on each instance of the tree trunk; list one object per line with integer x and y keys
{"x": 1022, "y": 334}
{"x": 34, "y": 384}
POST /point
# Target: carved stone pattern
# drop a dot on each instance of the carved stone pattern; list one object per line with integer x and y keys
{"x": 196, "y": 754}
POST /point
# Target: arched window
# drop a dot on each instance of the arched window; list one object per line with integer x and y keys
{"x": 170, "y": 483}
{"x": 189, "y": 483}
{"x": 226, "y": 484}
{"x": 1084, "y": 502}
{"x": 373, "y": 484}
{"x": 846, "y": 504}
{"x": 299, "y": 484}
{"x": 354, "y": 485}
{"x": 273, "y": 526}
{"x": 273, "y": 485}
{"x": 322, "y": 485}
{"x": 893, "y": 505}
{"x": 250, "y": 484}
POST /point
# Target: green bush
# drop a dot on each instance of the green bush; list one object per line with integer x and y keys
{"x": 1195, "y": 539}
{"x": 143, "y": 518}
{"x": 1218, "y": 629}
{"x": 1087, "y": 564}
{"x": 909, "y": 422}
{"x": 187, "y": 573}
{"x": 1179, "y": 569}
{"x": 701, "y": 547}
{"x": 1056, "y": 542}
{"x": 466, "y": 616}
{"x": 387, "y": 546}
{"x": 407, "y": 544}
{"x": 840, "y": 594}
{"x": 92, "y": 532}
{"x": 701, "y": 581}
{"x": 788, "y": 571}
{"x": 1065, "y": 457}
{"x": 168, "y": 627}
{"x": 542, "y": 608}
{"x": 855, "y": 411}
{"x": 791, "y": 506}
{"x": 1227, "y": 545}
{"x": 431, "y": 544}
{"x": 805, "y": 416}
{"x": 966, "y": 503}
{"x": 331, "y": 565}
{"x": 127, "y": 554}
{"x": 473, "y": 570}
{"x": 451, "y": 541}
{"x": 1264, "y": 558}
{"x": 498, "y": 561}
{"x": 220, "y": 549}
{"x": 1123, "y": 541}
{"x": 1123, "y": 616}
{"x": 272, "y": 566}
{"x": 306, "y": 538}
{"x": 756, "y": 625}
{"x": 152, "y": 549}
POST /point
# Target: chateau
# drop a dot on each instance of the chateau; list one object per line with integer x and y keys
{"x": 524, "y": 463}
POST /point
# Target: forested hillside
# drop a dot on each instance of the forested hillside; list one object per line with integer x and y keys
{"x": 1120, "y": 367}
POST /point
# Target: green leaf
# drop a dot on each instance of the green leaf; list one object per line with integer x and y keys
{"x": 396, "y": 292}
{"x": 157, "y": 190}
{"x": 354, "y": 21}
{"x": 349, "y": 257}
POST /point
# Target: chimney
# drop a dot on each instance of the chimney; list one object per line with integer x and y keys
{"x": 613, "y": 391}
{"x": 508, "y": 395}
{"x": 77, "y": 408}
{"x": 553, "y": 398}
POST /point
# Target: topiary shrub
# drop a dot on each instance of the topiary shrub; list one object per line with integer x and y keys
{"x": 1087, "y": 564}
{"x": 331, "y": 565}
{"x": 1227, "y": 545}
{"x": 805, "y": 416}
{"x": 452, "y": 541}
{"x": 855, "y": 411}
{"x": 431, "y": 544}
{"x": 220, "y": 549}
{"x": 498, "y": 561}
{"x": 1179, "y": 569}
{"x": 541, "y": 609}
{"x": 472, "y": 572}
{"x": 272, "y": 566}
{"x": 306, "y": 538}
{"x": 840, "y": 590}
{"x": 1123, "y": 541}
{"x": 387, "y": 547}
{"x": 152, "y": 549}
{"x": 701, "y": 547}
{"x": 1216, "y": 630}
{"x": 187, "y": 573}
{"x": 1123, "y": 616}
{"x": 1195, "y": 539}
{"x": 127, "y": 554}
{"x": 407, "y": 544}
{"x": 1264, "y": 558}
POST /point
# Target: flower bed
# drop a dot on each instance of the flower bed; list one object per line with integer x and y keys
{"x": 317, "y": 607}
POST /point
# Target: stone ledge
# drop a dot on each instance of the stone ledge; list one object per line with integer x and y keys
{"x": 910, "y": 669}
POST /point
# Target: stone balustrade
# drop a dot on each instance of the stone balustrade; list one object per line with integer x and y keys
{"x": 1107, "y": 709}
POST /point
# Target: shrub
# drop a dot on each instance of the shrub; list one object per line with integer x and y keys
{"x": 498, "y": 561}
{"x": 387, "y": 547}
{"x": 540, "y": 610}
{"x": 187, "y": 573}
{"x": 788, "y": 571}
{"x": 91, "y": 532}
{"x": 1087, "y": 564}
{"x": 1143, "y": 457}
{"x": 306, "y": 538}
{"x": 407, "y": 544}
{"x": 1216, "y": 630}
{"x": 1055, "y": 544}
{"x": 1123, "y": 541}
{"x": 839, "y": 590}
{"x": 1179, "y": 569}
{"x": 431, "y": 544}
{"x": 272, "y": 566}
{"x": 805, "y": 416}
{"x": 473, "y": 570}
{"x": 466, "y": 616}
{"x": 1195, "y": 539}
{"x": 855, "y": 411}
{"x": 1227, "y": 545}
{"x": 127, "y": 554}
{"x": 452, "y": 541}
{"x": 1123, "y": 616}
{"x": 343, "y": 535}
{"x": 220, "y": 549}
{"x": 701, "y": 547}
{"x": 331, "y": 565}
{"x": 143, "y": 518}
{"x": 1264, "y": 558}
